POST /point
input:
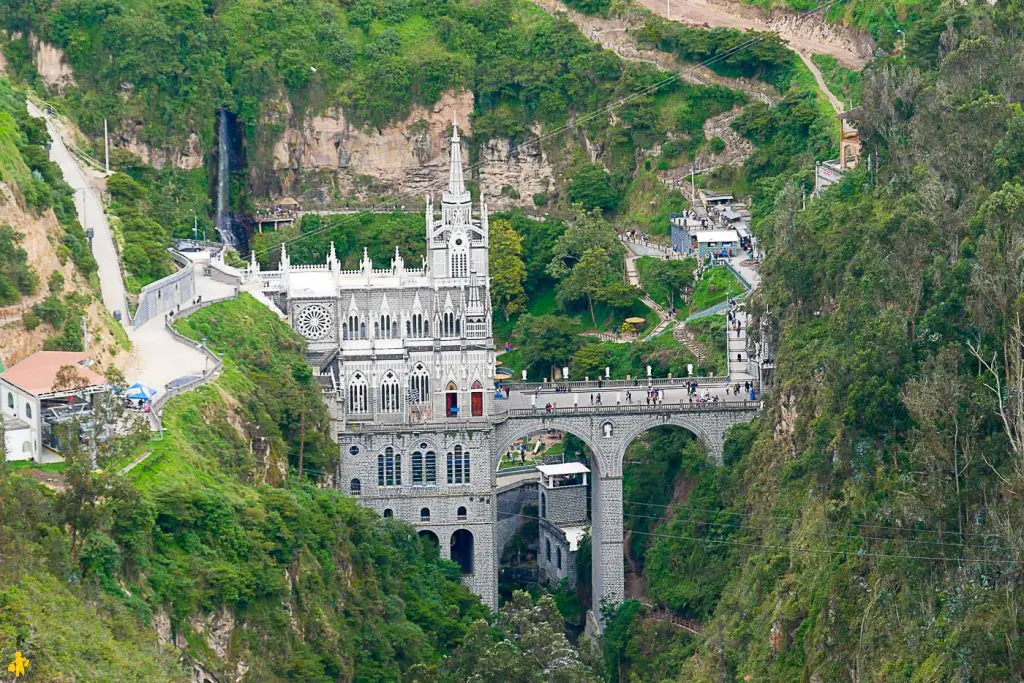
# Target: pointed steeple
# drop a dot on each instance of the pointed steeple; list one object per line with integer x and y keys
{"x": 456, "y": 192}
{"x": 286, "y": 263}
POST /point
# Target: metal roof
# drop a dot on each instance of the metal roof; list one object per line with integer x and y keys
{"x": 563, "y": 468}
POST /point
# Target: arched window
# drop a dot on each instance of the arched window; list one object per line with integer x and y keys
{"x": 28, "y": 410}
{"x": 388, "y": 513}
{"x": 426, "y": 328}
{"x": 362, "y": 329}
{"x": 389, "y": 468}
{"x": 376, "y": 330}
{"x": 424, "y": 466}
{"x": 458, "y": 327}
{"x": 558, "y": 556}
{"x": 344, "y": 330}
{"x": 408, "y": 328}
{"x": 424, "y": 514}
{"x": 460, "y": 264}
{"x": 543, "y": 506}
{"x": 355, "y": 487}
{"x": 430, "y": 468}
{"x": 389, "y": 401}
{"x": 458, "y": 466}
{"x": 461, "y": 512}
{"x": 394, "y": 329}
{"x": 547, "y": 548}
{"x": 357, "y": 402}
{"x": 10, "y": 400}
{"x": 351, "y": 331}
{"x": 419, "y": 384}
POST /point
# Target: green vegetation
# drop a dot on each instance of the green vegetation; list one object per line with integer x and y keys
{"x": 376, "y": 232}
{"x": 844, "y": 83}
{"x": 17, "y": 278}
{"x": 768, "y": 59}
{"x": 835, "y": 539}
{"x": 309, "y": 584}
{"x": 25, "y": 165}
{"x": 143, "y": 241}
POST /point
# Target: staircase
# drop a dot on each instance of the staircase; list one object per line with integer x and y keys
{"x": 737, "y": 345}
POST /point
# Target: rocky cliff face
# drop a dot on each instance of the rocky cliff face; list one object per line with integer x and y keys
{"x": 326, "y": 156}
{"x": 128, "y": 137}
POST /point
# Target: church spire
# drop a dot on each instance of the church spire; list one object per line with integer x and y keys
{"x": 456, "y": 192}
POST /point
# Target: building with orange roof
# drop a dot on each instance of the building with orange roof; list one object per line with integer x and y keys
{"x": 46, "y": 389}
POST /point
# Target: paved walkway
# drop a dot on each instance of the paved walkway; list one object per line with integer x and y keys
{"x": 91, "y": 215}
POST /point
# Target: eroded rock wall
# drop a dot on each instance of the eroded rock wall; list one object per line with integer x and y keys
{"x": 323, "y": 157}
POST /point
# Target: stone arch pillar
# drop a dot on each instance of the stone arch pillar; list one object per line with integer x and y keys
{"x": 607, "y": 558}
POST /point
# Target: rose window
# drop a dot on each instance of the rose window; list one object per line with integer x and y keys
{"x": 313, "y": 322}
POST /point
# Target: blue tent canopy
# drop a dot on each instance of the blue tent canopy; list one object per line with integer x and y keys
{"x": 140, "y": 392}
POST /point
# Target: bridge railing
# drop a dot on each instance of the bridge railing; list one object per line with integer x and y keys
{"x": 639, "y": 382}
{"x": 637, "y": 409}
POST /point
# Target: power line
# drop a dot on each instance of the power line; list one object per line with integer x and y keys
{"x": 814, "y": 551}
{"x": 568, "y": 125}
{"x": 795, "y": 517}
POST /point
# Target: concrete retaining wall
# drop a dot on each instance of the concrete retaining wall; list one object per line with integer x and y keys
{"x": 166, "y": 294}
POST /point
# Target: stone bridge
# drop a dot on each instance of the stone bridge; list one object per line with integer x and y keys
{"x": 607, "y": 430}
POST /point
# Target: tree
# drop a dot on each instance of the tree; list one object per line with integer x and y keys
{"x": 547, "y": 339}
{"x": 673, "y": 276}
{"x": 593, "y": 187}
{"x": 586, "y": 230}
{"x": 508, "y": 272}
{"x": 618, "y": 294}
{"x": 529, "y": 645}
{"x": 586, "y": 279}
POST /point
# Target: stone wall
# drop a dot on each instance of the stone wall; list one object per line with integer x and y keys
{"x": 510, "y": 502}
{"x": 166, "y": 294}
{"x": 566, "y": 505}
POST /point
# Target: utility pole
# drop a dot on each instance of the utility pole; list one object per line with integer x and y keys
{"x": 195, "y": 225}
{"x": 106, "y": 147}
{"x": 693, "y": 192}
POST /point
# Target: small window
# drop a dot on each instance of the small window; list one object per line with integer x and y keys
{"x": 425, "y": 515}
{"x": 543, "y": 506}
{"x": 558, "y": 557}
{"x": 10, "y": 400}
{"x": 355, "y": 487}
{"x": 461, "y": 512}
{"x": 547, "y": 548}
{"x": 388, "y": 513}
{"x": 28, "y": 411}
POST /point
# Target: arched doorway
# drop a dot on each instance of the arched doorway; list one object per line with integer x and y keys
{"x": 476, "y": 400}
{"x": 462, "y": 550}
{"x": 430, "y": 536}
{"x": 451, "y": 400}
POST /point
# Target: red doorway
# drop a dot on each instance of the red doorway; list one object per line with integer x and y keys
{"x": 476, "y": 400}
{"x": 451, "y": 400}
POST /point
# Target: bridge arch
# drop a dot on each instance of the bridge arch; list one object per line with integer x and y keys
{"x": 512, "y": 431}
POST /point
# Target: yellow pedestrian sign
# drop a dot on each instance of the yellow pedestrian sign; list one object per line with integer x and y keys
{"x": 18, "y": 666}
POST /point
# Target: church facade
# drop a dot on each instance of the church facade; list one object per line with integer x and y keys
{"x": 406, "y": 357}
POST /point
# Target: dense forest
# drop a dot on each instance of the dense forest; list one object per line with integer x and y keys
{"x": 868, "y": 521}
{"x": 865, "y": 526}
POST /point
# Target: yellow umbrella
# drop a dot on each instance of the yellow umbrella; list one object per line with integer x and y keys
{"x": 636, "y": 321}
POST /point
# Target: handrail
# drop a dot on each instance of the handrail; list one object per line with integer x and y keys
{"x": 635, "y": 409}
{"x": 637, "y": 382}
{"x": 170, "y": 392}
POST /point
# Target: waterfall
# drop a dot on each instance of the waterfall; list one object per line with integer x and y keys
{"x": 224, "y": 226}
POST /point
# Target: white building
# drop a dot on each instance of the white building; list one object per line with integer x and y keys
{"x": 406, "y": 357}
{"x": 34, "y": 400}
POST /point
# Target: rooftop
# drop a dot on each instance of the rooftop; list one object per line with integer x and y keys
{"x": 563, "y": 468}
{"x": 38, "y": 373}
{"x": 717, "y": 236}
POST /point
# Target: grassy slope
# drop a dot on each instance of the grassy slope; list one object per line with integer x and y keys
{"x": 320, "y": 588}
